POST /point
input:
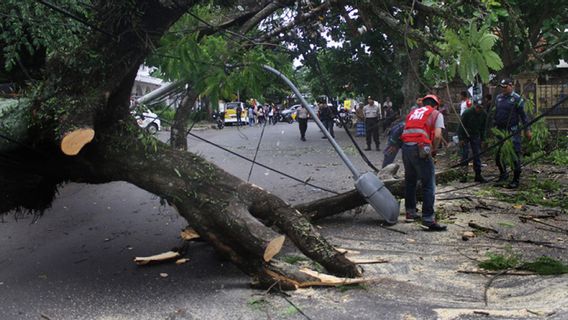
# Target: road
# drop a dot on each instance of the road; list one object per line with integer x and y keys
{"x": 75, "y": 261}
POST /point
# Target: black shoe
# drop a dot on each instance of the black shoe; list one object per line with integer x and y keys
{"x": 513, "y": 185}
{"x": 480, "y": 179}
{"x": 324, "y": 137}
{"x": 378, "y": 148}
{"x": 410, "y": 218}
{"x": 368, "y": 149}
{"x": 433, "y": 226}
{"x": 503, "y": 177}
{"x": 463, "y": 179}
{"x": 303, "y": 139}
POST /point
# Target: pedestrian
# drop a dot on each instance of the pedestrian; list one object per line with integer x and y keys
{"x": 372, "y": 112}
{"x": 260, "y": 115}
{"x": 302, "y": 117}
{"x": 251, "y": 115}
{"x": 326, "y": 116}
{"x": 509, "y": 115}
{"x": 465, "y": 102}
{"x": 389, "y": 115}
{"x": 239, "y": 112}
{"x": 471, "y": 134}
{"x": 270, "y": 114}
{"x": 421, "y": 136}
{"x": 394, "y": 142}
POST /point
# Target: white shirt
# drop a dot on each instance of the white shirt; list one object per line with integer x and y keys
{"x": 372, "y": 111}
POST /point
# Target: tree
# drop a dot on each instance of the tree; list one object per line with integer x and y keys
{"x": 75, "y": 125}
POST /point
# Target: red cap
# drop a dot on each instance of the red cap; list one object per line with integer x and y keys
{"x": 433, "y": 97}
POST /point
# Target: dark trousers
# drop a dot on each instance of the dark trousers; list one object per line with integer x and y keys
{"x": 390, "y": 154}
{"x": 372, "y": 129}
{"x": 303, "y": 123}
{"x": 416, "y": 168}
{"x": 516, "y": 139}
{"x": 239, "y": 122}
{"x": 475, "y": 144}
{"x": 328, "y": 124}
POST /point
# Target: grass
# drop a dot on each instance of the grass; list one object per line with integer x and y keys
{"x": 544, "y": 192}
{"x": 509, "y": 260}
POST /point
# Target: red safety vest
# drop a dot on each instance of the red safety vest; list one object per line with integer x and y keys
{"x": 420, "y": 125}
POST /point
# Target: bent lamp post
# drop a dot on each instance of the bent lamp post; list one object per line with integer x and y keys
{"x": 368, "y": 184}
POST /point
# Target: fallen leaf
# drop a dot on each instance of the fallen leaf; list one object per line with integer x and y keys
{"x": 518, "y": 206}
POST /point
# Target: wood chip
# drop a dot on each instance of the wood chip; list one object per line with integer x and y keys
{"x": 467, "y": 235}
{"x": 163, "y": 275}
{"x": 181, "y": 261}
{"x": 367, "y": 261}
{"x": 329, "y": 280}
{"x": 347, "y": 251}
{"x": 189, "y": 234}
{"x": 156, "y": 258}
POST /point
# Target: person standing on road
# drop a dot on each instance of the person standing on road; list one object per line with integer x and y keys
{"x": 239, "y": 112}
{"x": 509, "y": 114}
{"x": 251, "y": 115}
{"x": 260, "y": 115}
{"x": 270, "y": 114}
{"x": 372, "y": 112}
{"x": 326, "y": 115}
{"x": 472, "y": 133}
{"x": 421, "y": 136}
{"x": 302, "y": 117}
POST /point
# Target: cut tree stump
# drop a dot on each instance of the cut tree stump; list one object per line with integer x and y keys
{"x": 74, "y": 141}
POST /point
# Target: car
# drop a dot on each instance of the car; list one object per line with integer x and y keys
{"x": 148, "y": 120}
{"x": 231, "y": 113}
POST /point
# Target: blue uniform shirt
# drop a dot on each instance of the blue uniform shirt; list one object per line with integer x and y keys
{"x": 509, "y": 110}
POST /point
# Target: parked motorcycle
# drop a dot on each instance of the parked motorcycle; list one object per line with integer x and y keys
{"x": 347, "y": 118}
{"x": 219, "y": 119}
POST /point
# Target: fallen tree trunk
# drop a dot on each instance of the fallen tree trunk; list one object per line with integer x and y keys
{"x": 336, "y": 204}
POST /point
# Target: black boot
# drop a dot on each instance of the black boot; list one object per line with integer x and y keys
{"x": 515, "y": 183}
{"x": 479, "y": 178}
{"x": 368, "y": 148}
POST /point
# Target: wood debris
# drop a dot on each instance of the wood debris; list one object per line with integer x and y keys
{"x": 329, "y": 280}
{"x": 156, "y": 258}
{"x": 479, "y": 227}
{"x": 367, "y": 261}
{"x": 181, "y": 261}
{"x": 189, "y": 234}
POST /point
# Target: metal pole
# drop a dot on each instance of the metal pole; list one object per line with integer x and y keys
{"x": 342, "y": 155}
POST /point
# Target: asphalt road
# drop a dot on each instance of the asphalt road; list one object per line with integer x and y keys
{"x": 75, "y": 262}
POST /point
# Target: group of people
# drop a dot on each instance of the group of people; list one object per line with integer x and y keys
{"x": 420, "y": 134}
{"x": 259, "y": 114}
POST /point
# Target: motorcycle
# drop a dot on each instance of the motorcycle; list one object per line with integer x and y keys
{"x": 286, "y": 117}
{"x": 347, "y": 118}
{"x": 219, "y": 119}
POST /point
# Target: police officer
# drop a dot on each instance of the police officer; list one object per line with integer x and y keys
{"x": 372, "y": 112}
{"x": 421, "y": 136}
{"x": 509, "y": 115}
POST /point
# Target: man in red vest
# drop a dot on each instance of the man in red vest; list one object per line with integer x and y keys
{"x": 421, "y": 136}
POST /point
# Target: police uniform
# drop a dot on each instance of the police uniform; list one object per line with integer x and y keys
{"x": 372, "y": 115}
{"x": 509, "y": 115}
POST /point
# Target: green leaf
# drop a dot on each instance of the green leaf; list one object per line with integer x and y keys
{"x": 482, "y": 67}
{"x": 494, "y": 62}
{"x": 487, "y": 41}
